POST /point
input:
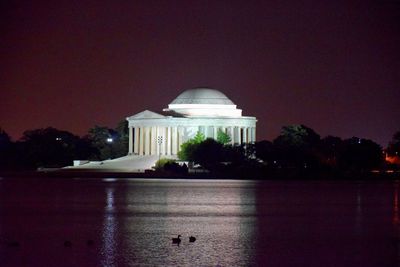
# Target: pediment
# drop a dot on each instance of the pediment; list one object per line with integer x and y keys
{"x": 147, "y": 114}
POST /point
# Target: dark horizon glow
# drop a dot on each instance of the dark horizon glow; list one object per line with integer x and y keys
{"x": 332, "y": 66}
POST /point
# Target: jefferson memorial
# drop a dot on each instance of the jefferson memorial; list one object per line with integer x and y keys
{"x": 203, "y": 110}
{"x": 152, "y": 134}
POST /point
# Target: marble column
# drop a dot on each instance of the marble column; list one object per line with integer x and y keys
{"x": 147, "y": 141}
{"x": 164, "y": 140}
{"x": 169, "y": 139}
{"x": 174, "y": 136}
{"x": 130, "y": 151}
{"x": 180, "y": 137}
{"x": 232, "y": 134}
{"x": 252, "y": 134}
{"x": 157, "y": 137}
{"x": 215, "y": 128}
{"x": 153, "y": 140}
{"x": 245, "y": 135}
{"x": 239, "y": 135}
{"x": 206, "y": 132}
{"x": 141, "y": 140}
{"x": 136, "y": 142}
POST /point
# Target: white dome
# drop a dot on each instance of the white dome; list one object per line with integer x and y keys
{"x": 204, "y": 102}
{"x": 202, "y": 96}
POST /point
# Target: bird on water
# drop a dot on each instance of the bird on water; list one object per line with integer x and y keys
{"x": 176, "y": 240}
{"x": 192, "y": 239}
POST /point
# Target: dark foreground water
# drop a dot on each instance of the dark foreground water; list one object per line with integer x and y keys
{"x": 236, "y": 223}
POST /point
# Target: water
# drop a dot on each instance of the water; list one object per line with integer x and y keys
{"x": 236, "y": 223}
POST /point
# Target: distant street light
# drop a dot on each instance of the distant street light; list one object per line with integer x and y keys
{"x": 159, "y": 141}
{"x": 109, "y": 140}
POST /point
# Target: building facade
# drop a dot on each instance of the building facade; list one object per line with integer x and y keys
{"x": 195, "y": 110}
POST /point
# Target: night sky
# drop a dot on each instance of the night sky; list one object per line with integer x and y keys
{"x": 331, "y": 65}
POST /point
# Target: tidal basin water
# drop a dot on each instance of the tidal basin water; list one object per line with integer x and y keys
{"x": 236, "y": 223}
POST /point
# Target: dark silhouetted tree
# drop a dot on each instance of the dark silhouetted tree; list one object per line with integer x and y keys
{"x": 121, "y": 139}
{"x": 360, "y": 155}
{"x": 85, "y": 150}
{"x": 107, "y": 141}
{"x": 394, "y": 145}
{"x": 295, "y": 147}
{"x": 47, "y": 147}
{"x": 329, "y": 149}
{"x": 209, "y": 154}
{"x": 265, "y": 150}
{"x": 7, "y": 154}
{"x": 297, "y": 136}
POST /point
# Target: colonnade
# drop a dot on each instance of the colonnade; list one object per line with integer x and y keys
{"x": 156, "y": 140}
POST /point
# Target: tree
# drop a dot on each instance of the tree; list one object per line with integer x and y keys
{"x": 394, "y": 145}
{"x": 187, "y": 148}
{"x": 6, "y": 150}
{"x": 360, "y": 155}
{"x": 121, "y": 139}
{"x": 297, "y": 136}
{"x": 47, "y": 147}
{"x": 107, "y": 141}
{"x": 265, "y": 151}
{"x": 5, "y": 139}
{"x": 295, "y": 147}
{"x": 186, "y": 151}
{"x": 170, "y": 165}
{"x": 122, "y": 128}
{"x": 160, "y": 164}
{"x": 329, "y": 149}
{"x": 198, "y": 138}
{"x": 85, "y": 150}
{"x": 209, "y": 154}
{"x": 223, "y": 138}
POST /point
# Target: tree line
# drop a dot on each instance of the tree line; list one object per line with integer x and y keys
{"x": 297, "y": 148}
{"x": 50, "y": 147}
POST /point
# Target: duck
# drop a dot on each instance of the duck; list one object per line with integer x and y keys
{"x": 192, "y": 238}
{"x": 176, "y": 240}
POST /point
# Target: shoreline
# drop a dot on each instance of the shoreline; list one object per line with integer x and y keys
{"x": 273, "y": 176}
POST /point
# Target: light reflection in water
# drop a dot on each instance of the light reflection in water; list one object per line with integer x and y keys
{"x": 359, "y": 215}
{"x": 396, "y": 218}
{"x": 109, "y": 230}
{"x": 296, "y": 223}
{"x": 219, "y": 214}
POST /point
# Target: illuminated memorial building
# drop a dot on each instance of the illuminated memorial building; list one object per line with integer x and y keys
{"x": 195, "y": 110}
{"x": 152, "y": 134}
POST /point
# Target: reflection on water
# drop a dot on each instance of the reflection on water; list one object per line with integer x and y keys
{"x": 359, "y": 211}
{"x": 395, "y": 219}
{"x": 396, "y": 204}
{"x": 109, "y": 243}
{"x": 219, "y": 214}
{"x": 236, "y": 223}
